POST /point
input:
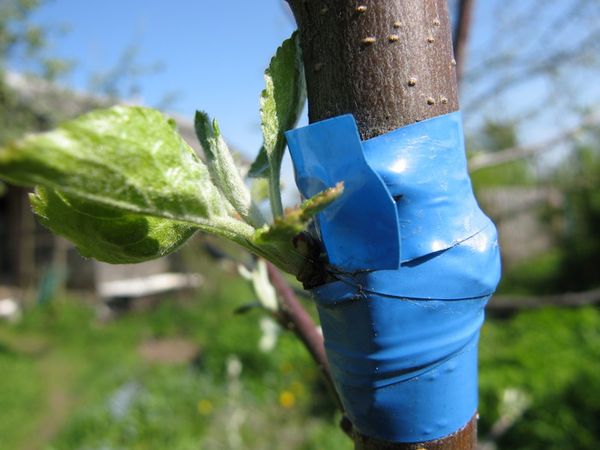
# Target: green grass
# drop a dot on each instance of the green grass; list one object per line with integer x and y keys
{"x": 63, "y": 373}
{"x": 21, "y": 393}
{"x": 70, "y": 382}
{"x": 551, "y": 356}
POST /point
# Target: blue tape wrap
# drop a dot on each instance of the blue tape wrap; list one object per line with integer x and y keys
{"x": 415, "y": 260}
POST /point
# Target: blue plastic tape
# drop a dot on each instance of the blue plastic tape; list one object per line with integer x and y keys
{"x": 416, "y": 261}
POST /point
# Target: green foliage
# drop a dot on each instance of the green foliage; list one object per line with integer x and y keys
{"x": 28, "y": 43}
{"x": 223, "y": 171}
{"x": 534, "y": 276}
{"x": 495, "y": 137}
{"x": 123, "y": 160}
{"x": 170, "y": 405}
{"x": 579, "y": 235}
{"x": 108, "y": 234}
{"x": 19, "y": 37}
{"x": 515, "y": 173}
{"x": 296, "y": 220}
{"x": 281, "y": 104}
{"x": 552, "y": 356}
{"x": 20, "y": 393}
{"x": 125, "y": 187}
{"x": 124, "y": 157}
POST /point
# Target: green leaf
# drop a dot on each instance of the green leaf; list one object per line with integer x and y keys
{"x": 129, "y": 158}
{"x": 296, "y": 220}
{"x": 260, "y": 166}
{"x": 223, "y": 171}
{"x": 259, "y": 189}
{"x": 105, "y": 233}
{"x": 126, "y": 157}
{"x": 281, "y": 104}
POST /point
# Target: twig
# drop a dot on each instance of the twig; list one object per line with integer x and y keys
{"x": 461, "y": 35}
{"x": 491, "y": 159}
{"x": 530, "y": 71}
{"x": 295, "y": 318}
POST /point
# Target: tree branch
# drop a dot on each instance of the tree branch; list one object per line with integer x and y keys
{"x": 529, "y": 71}
{"x": 461, "y": 35}
{"x": 389, "y": 63}
{"x": 294, "y": 317}
{"x": 463, "y": 439}
{"x": 491, "y": 159}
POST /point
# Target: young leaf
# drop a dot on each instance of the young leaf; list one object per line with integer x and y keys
{"x": 127, "y": 158}
{"x": 281, "y": 104}
{"x": 124, "y": 157}
{"x": 260, "y": 166}
{"x": 259, "y": 189}
{"x": 108, "y": 234}
{"x": 223, "y": 170}
{"x": 295, "y": 221}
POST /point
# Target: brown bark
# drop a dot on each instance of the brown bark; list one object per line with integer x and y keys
{"x": 21, "y": 232}
{"x": 463, "y": 439}
{"x": 388, "y": 62}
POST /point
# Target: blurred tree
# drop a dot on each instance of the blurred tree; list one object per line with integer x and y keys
{"x": 531, "y": 61}
{"x": 579, "y": 217}
{"x": 21, "y": 40}
{"x": 496, "y": 137}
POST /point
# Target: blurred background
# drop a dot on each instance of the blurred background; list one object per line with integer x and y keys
{"x": 154, "y": 356}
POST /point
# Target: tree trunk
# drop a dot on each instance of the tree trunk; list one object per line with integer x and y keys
{"x": 389, "y": 63}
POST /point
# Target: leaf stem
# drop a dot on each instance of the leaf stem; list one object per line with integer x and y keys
{"x": 275, "y": 194}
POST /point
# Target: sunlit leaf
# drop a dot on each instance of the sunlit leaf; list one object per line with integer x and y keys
{"x": 281, "y": 104}
{"x": 126, "y": 157}
{"x": 108, "y": 234}
{"x": 222, "y": 168}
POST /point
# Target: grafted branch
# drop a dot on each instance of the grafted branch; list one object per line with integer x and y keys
{"x": 389, "y": 63}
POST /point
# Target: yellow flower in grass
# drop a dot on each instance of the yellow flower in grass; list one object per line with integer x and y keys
{"x": 287, "y": 399}
{"x": 286, "y": 367}
{"x": 297, "y": 388}
{"x": 205, "y": 407}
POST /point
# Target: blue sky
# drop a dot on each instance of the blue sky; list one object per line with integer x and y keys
{"x": 213, "y": 53}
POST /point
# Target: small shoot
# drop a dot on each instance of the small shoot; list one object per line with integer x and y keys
{"x": 281, "y": 104}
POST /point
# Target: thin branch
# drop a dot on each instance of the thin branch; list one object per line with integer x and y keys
{"x": 295, "y": 318}
{"x": 491, "y": 62}
{"x": 461, "y": 35}
{"x": 491, "y": 159}
{"x": 560, "y": 59}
